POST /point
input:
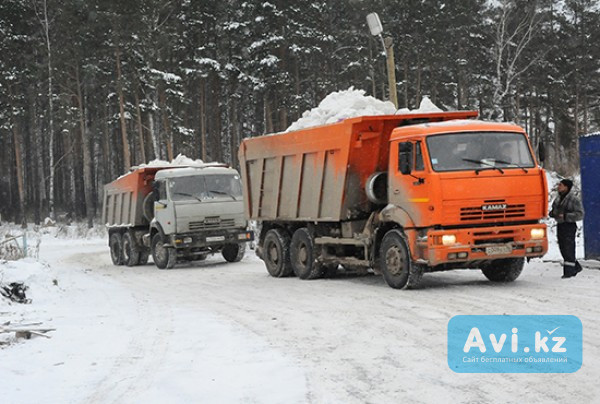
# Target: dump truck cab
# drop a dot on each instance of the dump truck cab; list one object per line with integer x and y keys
{"x": 198, "y": 208}
{"x": 467, "y": 192}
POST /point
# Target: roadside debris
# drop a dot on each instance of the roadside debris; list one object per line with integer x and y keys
{"x": 25, "y": 331}
{"x": 15, "y": 291}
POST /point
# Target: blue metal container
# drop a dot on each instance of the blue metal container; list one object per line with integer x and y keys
{"x": 589, "y": 155}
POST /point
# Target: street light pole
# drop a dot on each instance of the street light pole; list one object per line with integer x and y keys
{"x": 376, "y": 30}
{"x": 391, "y": 70}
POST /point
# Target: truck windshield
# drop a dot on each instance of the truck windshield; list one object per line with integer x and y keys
{"x": 479, "y": 151}
{"x": 205, "y": 187}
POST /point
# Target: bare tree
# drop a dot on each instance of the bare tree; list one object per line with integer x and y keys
{"x": 42, "y": 17}
{"x": 514, "y": 32}
{"x": 125, "y": 141}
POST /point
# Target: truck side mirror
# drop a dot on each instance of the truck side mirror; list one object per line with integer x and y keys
{"x": 541, "y": 151}
{"x": 405, "y": 157}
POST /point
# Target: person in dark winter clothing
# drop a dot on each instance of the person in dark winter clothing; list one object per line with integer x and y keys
{"x": 567, "y": 209}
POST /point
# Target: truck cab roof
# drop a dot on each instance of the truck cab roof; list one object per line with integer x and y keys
{"x": 451, "y": 126}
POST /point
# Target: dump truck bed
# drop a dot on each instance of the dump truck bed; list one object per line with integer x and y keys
{"x": 124, "y": 197}
{"x": 319, "y": 173}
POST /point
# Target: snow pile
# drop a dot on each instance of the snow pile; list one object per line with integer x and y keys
{"x": 37, "y": 276}
{"x": 426, "y": 106}
{"x": 180, "y": 160}
{"x": 41, "y": 290}
{"x": 342, "y": 105}
{"x": 352, "y": 103}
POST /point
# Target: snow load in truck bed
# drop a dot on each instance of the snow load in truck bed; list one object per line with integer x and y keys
{"x": 352, "y": 103}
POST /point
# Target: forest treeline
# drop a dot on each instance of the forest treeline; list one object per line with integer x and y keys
{"x": 89, "y": 88}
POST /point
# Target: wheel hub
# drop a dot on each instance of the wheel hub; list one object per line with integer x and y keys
{"x": 394, "y": 261}
{"x": 160, "y": 251}
{"x": 302, "y": 254}
{"x": 273, "y": 255}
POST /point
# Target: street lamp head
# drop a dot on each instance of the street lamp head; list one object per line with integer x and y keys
{"x": 374, "y": 24}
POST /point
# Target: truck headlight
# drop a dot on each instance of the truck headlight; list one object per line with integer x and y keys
{"x": 448, "y": 239}
{"x": 537, "y": 234}
{"x": 244, "y": 236}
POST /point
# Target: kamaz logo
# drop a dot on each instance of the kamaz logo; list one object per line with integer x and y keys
{"x": 212, "y": 220}
{"x": 498, "y": 206}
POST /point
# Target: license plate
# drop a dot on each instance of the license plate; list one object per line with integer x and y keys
{"x": 215, "y": 238}
{"x": 498, "y": 249}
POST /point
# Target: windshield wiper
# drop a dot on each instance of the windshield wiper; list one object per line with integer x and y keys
{"x": 511, "y": 164}
{"x": 222, "y": 193}
{"x": 185, "y": 194}
{"x": 491, "y": 166}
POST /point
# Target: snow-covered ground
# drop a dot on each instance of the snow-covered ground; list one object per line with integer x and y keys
{"x": 218, "y": 332}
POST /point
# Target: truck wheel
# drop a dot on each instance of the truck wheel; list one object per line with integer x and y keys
{"x": 116, "y": 254}
{"x": 302, "y": 255}
{"x": 233, "y": 252}
{"x": 164, "y": 257}
{"x": 276, "y": 253}
{"x": 395, "y": 260}
{"x": 131, "y": 253}
{"x": 144, "y": 255}
{"x": 506, "y": 270}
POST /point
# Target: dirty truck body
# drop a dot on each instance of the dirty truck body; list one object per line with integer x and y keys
{"x": 401, "y": 194}
{"x": 175, "y": 214}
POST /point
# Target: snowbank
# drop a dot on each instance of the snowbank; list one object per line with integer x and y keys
{"x": 37, "y": 276}
{"x": 41, "y": 290}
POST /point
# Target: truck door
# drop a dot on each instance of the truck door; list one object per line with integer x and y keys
{"x": 164, "y": 209}
{"x": 409, "y": 184}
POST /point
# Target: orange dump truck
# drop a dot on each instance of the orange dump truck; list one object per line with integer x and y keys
{"x": 400, "y": 194}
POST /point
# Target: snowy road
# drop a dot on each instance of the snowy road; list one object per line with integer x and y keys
{"x": 217, "y": 332}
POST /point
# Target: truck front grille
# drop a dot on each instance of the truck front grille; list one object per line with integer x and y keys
{"x": 494, "y": 236}
{"x": 211, "y": 223}
{"x": 477, "y": 213}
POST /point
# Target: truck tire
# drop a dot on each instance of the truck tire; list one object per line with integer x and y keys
{"x": 116, "y": 254}
{"x": 506, "y": 270}
{"x": 415, "y": 276}
{"x": 233, "y": 252}
{"x": 144, "y": 255}
{"x": 395, "y": 260}
{"x": 164, "y": 257}
{"x": 131, "y": 253}
{"x": 302, "y": 256}
{"x": 330, "y": 270}
{"x": 276, "y": 253}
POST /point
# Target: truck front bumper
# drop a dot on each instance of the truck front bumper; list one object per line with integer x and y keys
{"x": 483, "y": 243}
{"x": 211, "y": 239}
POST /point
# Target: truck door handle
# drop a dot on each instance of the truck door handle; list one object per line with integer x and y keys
{"x": 396, "y": 191}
